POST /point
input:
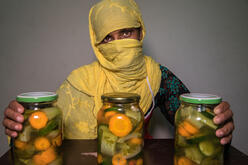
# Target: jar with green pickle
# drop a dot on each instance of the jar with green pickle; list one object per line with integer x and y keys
{"x": 195, "y": 139}
{"x": 120, "y": 130}
{"x": 41, "y": 137}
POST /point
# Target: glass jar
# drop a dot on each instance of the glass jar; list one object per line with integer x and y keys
{"x": 41, "y": 137}
{"x": 120, "y": 130}
{"x": 195, "y": 139}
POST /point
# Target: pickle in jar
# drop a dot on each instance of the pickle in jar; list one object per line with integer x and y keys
{"x": 41, "y": 137}
{"x": 195, "y": 139}
{"x": 120, "y": 130}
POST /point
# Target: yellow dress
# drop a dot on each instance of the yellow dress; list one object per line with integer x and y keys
{"x": 121, "y": 66}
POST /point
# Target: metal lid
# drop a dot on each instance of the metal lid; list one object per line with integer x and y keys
{"x": 200, "y": 98}
{"x": 36, "y": 97}
{"x": 120, "y": 97}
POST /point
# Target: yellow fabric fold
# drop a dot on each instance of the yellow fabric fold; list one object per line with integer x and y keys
{"x": 121, "y": 67}
{"x": 94, "y": 80}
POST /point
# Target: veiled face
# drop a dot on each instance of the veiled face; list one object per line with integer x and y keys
{"x": 127, "y": 33}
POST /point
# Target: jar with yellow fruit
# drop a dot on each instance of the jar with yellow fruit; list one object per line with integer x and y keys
{"x": 41, "y": 137}
{"x": 120, "y": 130}
{"x": 195, "y": 139}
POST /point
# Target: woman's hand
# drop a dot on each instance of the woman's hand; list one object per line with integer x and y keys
{"x": 224, "y": 116}
{"x": 13, "y": 118}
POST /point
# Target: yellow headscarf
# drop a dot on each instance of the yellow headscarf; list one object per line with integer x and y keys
{"x": 121, "y": 65}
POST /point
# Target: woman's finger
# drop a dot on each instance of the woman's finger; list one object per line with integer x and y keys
{"x": 16, "y": 116}
{"x": 11, "y": 133}
{"x": 223, "y": 106}
{"x": 223, "y": 117}
{"x": 11, "y": 125}
{"x": 226, "y": 139}
{"x": 16, "y": 106}
{"x": 225, "y": 130}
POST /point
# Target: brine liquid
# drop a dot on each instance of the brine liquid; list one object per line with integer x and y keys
{"x": 195, "y": 140}
{"x": 39, "y": 143}
{"x": 120, "y": 135}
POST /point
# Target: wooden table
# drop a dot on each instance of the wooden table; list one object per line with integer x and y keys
{"x": 156, "y": 152}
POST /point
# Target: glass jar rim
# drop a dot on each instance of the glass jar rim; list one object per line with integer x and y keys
{"x": 120, "y": 97}
{"x": 200, "y": 98}
{"x": 36, "y": 97}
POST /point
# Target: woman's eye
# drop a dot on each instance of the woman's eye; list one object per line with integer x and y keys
{"x": 107, "y": 39}
{"x": 126, "y": 34}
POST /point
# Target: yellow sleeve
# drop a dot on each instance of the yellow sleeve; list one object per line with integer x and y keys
{"x": 79, "y": 121}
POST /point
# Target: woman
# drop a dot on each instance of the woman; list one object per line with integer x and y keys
{"x": 117, "y": 32}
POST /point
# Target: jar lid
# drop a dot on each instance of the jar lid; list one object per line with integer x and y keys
{"x": 120, "y": 97}
{"x": 36, "y": 97}
{"x": 200, "y": 98}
